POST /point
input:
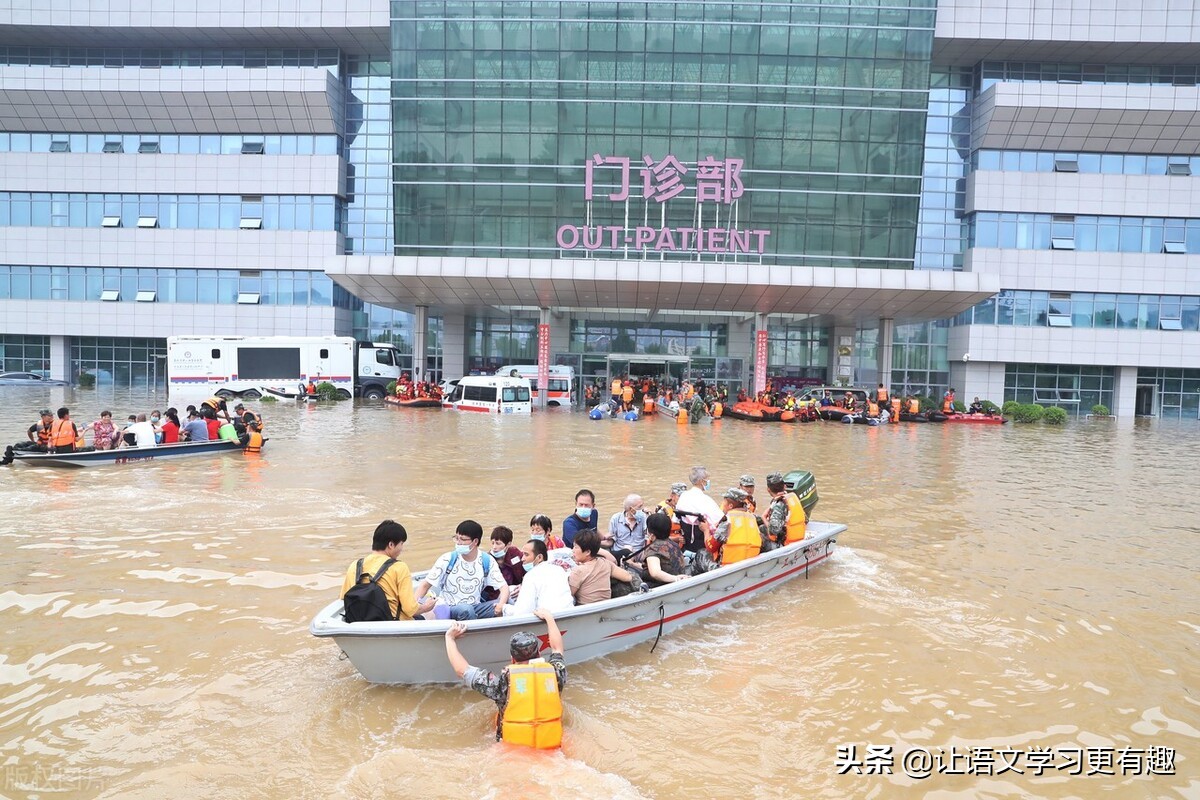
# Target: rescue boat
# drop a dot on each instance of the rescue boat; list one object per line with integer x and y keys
{"x": 127, "y": 455}
{"x": 412, "y": 402}
{"x": 977, "y": 419}
{"x": 415, "y": 652}
{"x": 757, "y": 412}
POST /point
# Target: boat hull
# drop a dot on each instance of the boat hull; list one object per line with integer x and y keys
{"x": 127, "y": 455}
{"x": 977, "y": 419}
{"x": 419, "y": 402}
{"x": 415, "y": 652}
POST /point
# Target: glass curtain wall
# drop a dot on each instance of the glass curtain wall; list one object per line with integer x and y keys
{"x": 368, "y": 149}
{"x": 811, "y": 118}
{"x": 921, "y": 359}
{"x": 1178, "y": 391}
{"x": 120, "y": 362}
{"x": 1070, "y": 387}
{"x": 25, "y": 354}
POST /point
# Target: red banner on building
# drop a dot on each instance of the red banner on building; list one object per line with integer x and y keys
{"x": 760, "y": 361}
{"x": 543, "y": 380}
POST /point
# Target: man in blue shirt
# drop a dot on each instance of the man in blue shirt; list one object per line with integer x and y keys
{"x": 195, "y": 429}
{"x": 585, "y": 516}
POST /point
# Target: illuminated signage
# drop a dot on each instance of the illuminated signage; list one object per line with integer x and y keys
{"x": 715, "y": 181}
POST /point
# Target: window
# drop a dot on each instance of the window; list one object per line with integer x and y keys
{"x": 1059, "y": 310}
{"x": 1062, "y": 243}
{"x": 252, "y": 148}
{"x": 110, "y": 222}
{"x": 1066, "y": 164}
{"x": 1166, "y": 324}
{"x": 114, "y": 147}
{"x": 148, "y": 147}
{"x": 483, "y": 394}
{"x": 216, "y": 353}
{"x": 324, "y": 353}
{"x": 1059, "y": 320}
{"x": 248, "y": 298}
{"x": 1174, "y": 247}
{"x": 60, "y": 146}
{"x": 250, "y": 223}
{"x": 383, "y": 356}
{"x": 147, "y": 222}
{"x": 146, "y": 296}
{"x": 110, "y": 295}
{"x": 1176, "y": 168}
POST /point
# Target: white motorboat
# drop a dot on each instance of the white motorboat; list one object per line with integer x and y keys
{"x": 415, "y": 652}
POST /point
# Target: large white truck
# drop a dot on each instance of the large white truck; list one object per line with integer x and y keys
{"x": 251, "y": 366}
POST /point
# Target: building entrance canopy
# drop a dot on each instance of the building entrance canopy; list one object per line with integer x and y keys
{"x": 845, "y": 296}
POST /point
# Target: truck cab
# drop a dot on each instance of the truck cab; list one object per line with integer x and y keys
{"x": 377, "y": 365}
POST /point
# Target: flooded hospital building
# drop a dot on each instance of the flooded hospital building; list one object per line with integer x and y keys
{"x": 996, "y": 197}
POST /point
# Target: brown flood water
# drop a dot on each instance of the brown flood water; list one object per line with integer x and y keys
{"x": 1019, "y": 588}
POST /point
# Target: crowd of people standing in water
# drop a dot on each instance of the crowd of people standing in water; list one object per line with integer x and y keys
{"x": 57, "y": 433}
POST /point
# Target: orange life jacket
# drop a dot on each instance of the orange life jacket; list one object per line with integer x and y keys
{"x": 718, "y": 410}
{"x": 43, "y": 434}
{"x": 616, "y": 387}
{"x": 744, "y": 540}
{"x": 914, "y": 406}
{"x": 648, "y": 404}
{"x": 948, "y": 405}
{"x": 627, "y": 394}
{"x": 881, "y": 394}
{"x": 533, "y": 715}
{"x": 896, "y": 409}
{"x": 796, "y": 521}
{"x": 873, "y": 408}
{"x": 62, "y": 433}
{"x": 255, "y": 444}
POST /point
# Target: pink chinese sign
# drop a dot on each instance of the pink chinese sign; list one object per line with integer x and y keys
{"x": 708, "y": 181}
{"x": 760, "y": 361}
{"x": 543, "y": 364}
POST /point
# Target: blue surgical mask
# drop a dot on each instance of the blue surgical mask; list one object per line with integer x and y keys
{"x": 154, "y": 419}
{"x": 538, "y": 537}
{"x": 499, "y": 551}
{"x": 528, "y": 566}
{"x": 706, "y": 485}
{"x": 462, "y": 549}
{"x": 583, "y": 513}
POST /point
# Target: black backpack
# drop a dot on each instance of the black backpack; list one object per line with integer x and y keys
{"x": 366, "y": 602}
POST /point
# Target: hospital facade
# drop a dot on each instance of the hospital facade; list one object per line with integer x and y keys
{"x": 995, "y": 197}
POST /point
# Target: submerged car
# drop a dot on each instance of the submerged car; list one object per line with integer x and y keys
{"x": 28, "y": 379}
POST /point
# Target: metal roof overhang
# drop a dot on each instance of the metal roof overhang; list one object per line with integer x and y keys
{"x": 843, "y": 295}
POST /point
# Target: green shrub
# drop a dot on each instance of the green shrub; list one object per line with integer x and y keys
{"x": 1028, "y": 412}
{"x": 990, "y": 407}
{"x": 1100, "y": 410}
{"x": 960, "y": 406}
{"x": 1010, "y": 408}
{"x": 927, "y": 403}
{"x": 1055, "y": 416}
{"x": 268, "y": 398}
{"x": 391, "y": 389}
{"x": 327, "y": 391}
{"x": 87, "y": 380}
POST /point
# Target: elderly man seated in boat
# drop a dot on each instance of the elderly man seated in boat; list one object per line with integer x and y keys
{"x": 697, "y": 512}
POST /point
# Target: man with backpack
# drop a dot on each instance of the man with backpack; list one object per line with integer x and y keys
{"x": 458, "y": 578}
{"x": 378, "y": 587}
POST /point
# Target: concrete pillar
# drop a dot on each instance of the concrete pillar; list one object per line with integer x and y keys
{"x": 841, "y": 354}
{"x": 1125, "y": 392}
{"x": 60, "y": 359}
{"x": 419, "y": 347}
{"x": 760, "y": 354}
{"x": 543, "y": 356}
{"x": 454, "y": 346}
{"x": 883, "y": 352}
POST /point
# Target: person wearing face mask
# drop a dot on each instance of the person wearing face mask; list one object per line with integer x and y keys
{"x": 458, "y": 578}
{"x": 542, "y": 529}
{"x": 545, "y": 585}
{"x": 626, "y": 529}
{"x": 585, "y": 516}
{"x": 509, "y": 559}
{"x": 698, "y": 513}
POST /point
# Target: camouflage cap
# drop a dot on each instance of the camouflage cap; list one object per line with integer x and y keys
{"x": 746, "y": 480}
{"x": 678, "y": 488}
{"x": 737, "y": 495}
{"x": 774, "y": 477}
{"x": 524, "y": 646}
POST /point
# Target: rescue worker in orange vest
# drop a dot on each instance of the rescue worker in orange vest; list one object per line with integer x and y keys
{"x": 254, "y": 438}
{"x": 668, "y": 507}
{"x": 627, "y": 396}
{"x": 881, "y": 395}
{"x": 528, "y": 692}
{"x": 212, "y": 406}
{"x": 63, "y": 433}
{"x": 850, "y": 402}
{"x": 39, "y": 433}
{"x": 786, "y": 520}
{"x": 896, "y": 405}
{"x": 872, "y": 407}
{"x": 746, "y": 484}
{"x": 739, "y": 535}
{"x": 914, "y": 405}
{"x": 311, "y": 388}
{"x": 647, "y": 404}
{"x": 948, "y": 402}
{"x": 616, "y": 392}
